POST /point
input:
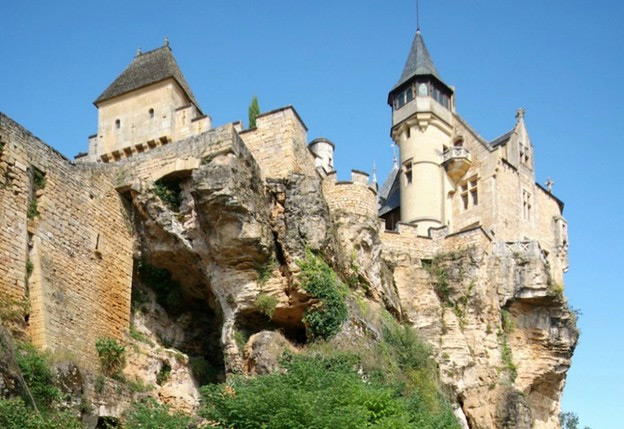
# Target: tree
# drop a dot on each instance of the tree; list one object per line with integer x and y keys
{"x": 254, "y": 111}
{"x": 569, "y": 420}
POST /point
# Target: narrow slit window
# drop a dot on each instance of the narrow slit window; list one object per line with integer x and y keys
{"x": 117, "y": 123}
{"x": 151, "y": 113}
{"x": 407, "y": 168}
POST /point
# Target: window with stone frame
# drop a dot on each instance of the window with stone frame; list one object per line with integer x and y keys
{"x": 525, "y": 153}
{"x": 469, "y": 191}
{"x": 527, "y": 205}
{"x": 407, "y": 170}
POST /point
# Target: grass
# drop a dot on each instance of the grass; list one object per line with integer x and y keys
{"x": 266, "y": 270}
{"x": 266, "y": 304}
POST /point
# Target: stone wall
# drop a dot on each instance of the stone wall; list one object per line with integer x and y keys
{"x": 355, "y": 197}
{"x": 184, "y": 155}
{"x": 279, "y": 144}
{"x": 65, "y": 243}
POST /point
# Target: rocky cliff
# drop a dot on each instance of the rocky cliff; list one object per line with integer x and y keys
{"x": 217, "y": 284}
{"x": 500, "y": 329}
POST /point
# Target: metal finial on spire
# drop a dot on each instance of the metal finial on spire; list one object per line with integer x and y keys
{"x": 166, "y": 41}
{"x": 138, "y": 52}
{"x": 395, "y": 160}
{"x": 374, "y": 178}
{"x": 520, "y": 113}
{"x": 417, "y": 15}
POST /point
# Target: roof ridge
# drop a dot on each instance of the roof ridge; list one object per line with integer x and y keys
{"x": 145, "y": 69}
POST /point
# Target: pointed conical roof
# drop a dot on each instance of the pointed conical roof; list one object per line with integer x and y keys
{"x": 418, "y": 62}
{"x": 145, "y": 69}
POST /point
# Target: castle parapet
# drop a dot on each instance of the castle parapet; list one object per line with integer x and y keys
{"x": 278, "y": 143}
{"x": 355, "y": 197}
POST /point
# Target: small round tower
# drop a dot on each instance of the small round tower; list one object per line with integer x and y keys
{"x": 323, "y": 151}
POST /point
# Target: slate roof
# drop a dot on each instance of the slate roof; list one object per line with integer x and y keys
{"x": 145, "y": 69}
{"x": 501, "y": 140}
{"x": 418, "y": 62}
{"x": 389, "y": 193}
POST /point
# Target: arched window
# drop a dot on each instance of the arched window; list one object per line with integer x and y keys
{"x": 423, "y": 91}
{"x": 151, "y": 113}
{"x": 459, "y": 141}
{"x": 117, "y": 123}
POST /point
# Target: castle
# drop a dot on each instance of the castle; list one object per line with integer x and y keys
{"x": 66, "y": 239}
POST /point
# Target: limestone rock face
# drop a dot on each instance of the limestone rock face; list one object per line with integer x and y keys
{"x": 264, "y": 351}
{"x": 497, "y": 326}
{"x": 501, "y": 332}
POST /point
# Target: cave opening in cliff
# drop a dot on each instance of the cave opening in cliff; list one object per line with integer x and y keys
{"x": 184, "y": 318}
{"x": 250, "y": 322}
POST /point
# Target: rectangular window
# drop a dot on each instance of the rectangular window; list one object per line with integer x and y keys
{"x": 470, "y": 193}
{"x": 527, "y": 205}
{"x": 525, "y": 155}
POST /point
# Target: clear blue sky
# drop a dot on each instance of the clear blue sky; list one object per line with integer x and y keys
{"x": 335, "y": 62}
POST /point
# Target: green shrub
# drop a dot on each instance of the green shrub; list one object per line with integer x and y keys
{"x": 139, "y": 336}
{"x": 39, "y": 180}
{"x": 253, "y": 112}
{"x": 323, "y": 320}
{"x": 35, "y": 368}
{"x": 33, "y": 210}
{"x": 507, "y": 358}
{"x": 112, "y": 356}
{"x": 149, "y": 414}
{"x": 14, "y": 414}
{"x": 314, "y": 392}
{"x": 507, "y": 321}
{"x": 163, "y": 374}
{"x": 266, "y": 304}
{"x": 265, "y": 270}
{"x": 169, "y": 193}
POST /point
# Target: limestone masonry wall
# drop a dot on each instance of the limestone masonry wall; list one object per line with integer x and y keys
{"x": 279, "y": 144}
{"x": 354, "y": 197}
{"x": 65, "y": 244}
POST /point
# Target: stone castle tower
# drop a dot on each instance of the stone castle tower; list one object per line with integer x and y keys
{"x": 449, "y": 177}
{"x": 149, "y": 104}
{"x": 422, "y": 108}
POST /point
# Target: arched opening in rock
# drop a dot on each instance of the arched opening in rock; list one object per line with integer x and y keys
{"x": 180, "y": 317}
{"x": 249, "y": 322}
{"x": 107, "y": 423}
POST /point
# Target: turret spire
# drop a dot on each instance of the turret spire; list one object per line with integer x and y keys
{"x": 418, "y": 62}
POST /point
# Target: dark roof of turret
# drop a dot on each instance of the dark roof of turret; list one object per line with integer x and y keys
{"x": 389, "y": 195}
{"x": 418, "y": 62}
{"x": 145, "y": 69}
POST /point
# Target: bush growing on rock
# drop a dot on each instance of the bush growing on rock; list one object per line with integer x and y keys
{"x": 149, "y": 414}
{"x": 112, "y": 356}
{"x": 317, "y": 392}
{"x": 323, "y": 320}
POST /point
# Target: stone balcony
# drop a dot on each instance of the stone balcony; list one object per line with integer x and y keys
{"x": 456, "y": 161}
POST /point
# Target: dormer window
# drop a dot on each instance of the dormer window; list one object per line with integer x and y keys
{"x": 151, "y": 113}
{"x": 117, "y": 123}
